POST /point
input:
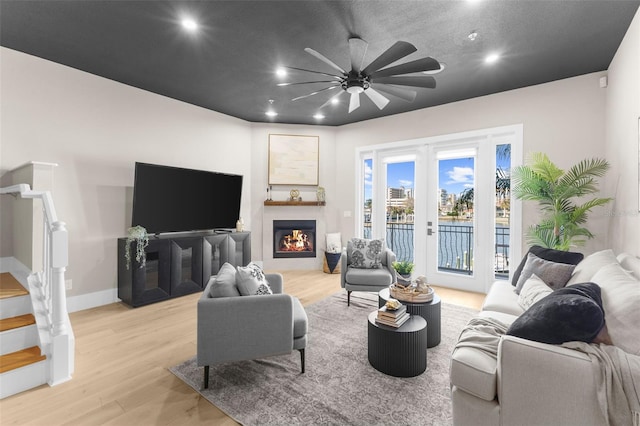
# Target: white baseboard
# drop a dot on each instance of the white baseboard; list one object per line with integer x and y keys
{"x": 92, "y": 300}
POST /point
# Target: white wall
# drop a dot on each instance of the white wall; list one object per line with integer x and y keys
{"x": 95, "y": 129}
{"x": 623, "y": 142}
{"x": 564, "y": 118}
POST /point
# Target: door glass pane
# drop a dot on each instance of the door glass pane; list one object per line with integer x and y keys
{"x": 368, "y": 196}
{"x": 399, "y": 208}
{"x": 456, "y": 180}
{"x": 503, "y": 208}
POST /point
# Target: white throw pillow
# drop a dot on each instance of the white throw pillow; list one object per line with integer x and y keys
{"x": 334, "y": 243}
{"x": 621, "y": 302}
{"x": 251, "y": 280}
{"x": 534, "y": 289}
{"x": 555, "y": 275}
{"x": 591, "y": 264}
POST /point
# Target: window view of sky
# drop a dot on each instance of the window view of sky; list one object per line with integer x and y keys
{"x": 455, "y": 175}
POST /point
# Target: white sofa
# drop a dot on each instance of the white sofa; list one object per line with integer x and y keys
{"x": 534, "y": 383}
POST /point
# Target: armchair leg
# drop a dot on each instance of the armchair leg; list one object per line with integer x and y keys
{"x": 348, "y": 298}
{"x": 302, "y": 359}
{"x": 206, "y": 376}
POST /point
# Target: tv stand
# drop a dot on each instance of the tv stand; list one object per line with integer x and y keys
{"x": 178, "y": 264}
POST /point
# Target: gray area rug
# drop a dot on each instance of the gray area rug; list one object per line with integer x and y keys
{"x": 339, "y": 386}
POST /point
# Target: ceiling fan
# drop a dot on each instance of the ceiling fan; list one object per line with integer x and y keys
{"x": 386, "y": 80}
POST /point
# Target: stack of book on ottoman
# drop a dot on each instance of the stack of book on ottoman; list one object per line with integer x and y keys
{"x": 393, "y": 314}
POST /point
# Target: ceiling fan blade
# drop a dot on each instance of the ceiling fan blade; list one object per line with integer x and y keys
{"x": 427, "y": 82}
{"x": 399, "y": 92}
{"x": 377, "y": 98}
{"x": 354, "y": 102}
{"x": 357, "y": 50}
{"x": 309, "y": 82}
{"x": 330, "y": 100}
{"x": 424, "y": 64}
{"x": 315, "y": 72}
{"x": 314, "y": 93}
{"x": 399, "y": 50}
{"x": 324, "y": 59}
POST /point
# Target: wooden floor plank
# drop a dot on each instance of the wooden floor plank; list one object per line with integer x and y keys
{"x": 123, "y": 356}
{"x": 10, "y": 287}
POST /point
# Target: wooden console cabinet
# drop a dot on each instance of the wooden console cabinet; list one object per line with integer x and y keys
{"x": 177, "y": 266}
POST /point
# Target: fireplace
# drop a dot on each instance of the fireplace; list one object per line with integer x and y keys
{"x": 294, "y": 238}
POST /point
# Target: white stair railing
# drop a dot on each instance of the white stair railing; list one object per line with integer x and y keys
{"x": 59, "y": 344}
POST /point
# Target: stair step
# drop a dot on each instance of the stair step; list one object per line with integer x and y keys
{"x": 21, "y": 358}
{"x": 10, "y": 287}
{"x": 17, "y": 322}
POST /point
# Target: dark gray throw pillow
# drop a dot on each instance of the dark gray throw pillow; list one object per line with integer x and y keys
{"x": 552, "y": 255}
{"x": 569, "y": 314}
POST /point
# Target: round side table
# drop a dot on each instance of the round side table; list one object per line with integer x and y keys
{"x": 430, "y": 311}
{"x": 399, "y": 352}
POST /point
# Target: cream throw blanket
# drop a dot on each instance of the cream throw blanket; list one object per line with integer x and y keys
{"x": 617, "y": 373}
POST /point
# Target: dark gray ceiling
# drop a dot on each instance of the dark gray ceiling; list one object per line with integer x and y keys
{"x": 228, "y": 65}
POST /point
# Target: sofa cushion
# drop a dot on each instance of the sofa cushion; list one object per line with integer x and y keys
{"x": 475, "y": 372}
{"x": 369, "y": 277}
{"x": 630, "y": 263}
{"x": 500, "y": 316}
{"x": 251, "y": 280}
{"x": 586, "y": 269}
{"x": 224, "y": 284}
{"x": 621, "y": 301}
{"x": 558, "y": 256}
{"x": 569, "y": 314}
{"x": 364, "y": 253}
{"x": 534, "y": 289}
{"x": 501, "y": 298}
{"x": 554, "y": 274}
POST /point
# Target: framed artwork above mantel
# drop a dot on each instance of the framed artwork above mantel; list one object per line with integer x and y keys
{"x": 293, "y": 159}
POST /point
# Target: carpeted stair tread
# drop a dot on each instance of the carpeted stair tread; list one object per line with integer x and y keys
{"x": 17, "y": 322}
{"x": 21, "y": 358}
{"x": 10, "y": 287}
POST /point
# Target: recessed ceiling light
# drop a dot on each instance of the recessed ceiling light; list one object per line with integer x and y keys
{"x": 318, "y": 116}
{"x": 439, "y": 70}
{"x": 490, "y": 59}
{"x": 281, "y": 72}
{"x": 189, "y": 24}
{"x": 335, "y": 100}
{"x": 271, "y": 113}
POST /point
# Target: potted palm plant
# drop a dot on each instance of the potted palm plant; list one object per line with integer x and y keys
{"x": 560, "y": 195}
{"x": 404, "y": 268}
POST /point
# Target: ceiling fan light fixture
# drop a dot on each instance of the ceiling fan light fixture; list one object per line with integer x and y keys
{"x": 354, "y": 89}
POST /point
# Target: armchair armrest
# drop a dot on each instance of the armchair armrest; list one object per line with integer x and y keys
{"x": 343, "y": 267}
{"x": 545, "y": 384}
{"x": 244, "y": 327}
{"x": 388, "y": 257}
{"x": 276, "y": 282}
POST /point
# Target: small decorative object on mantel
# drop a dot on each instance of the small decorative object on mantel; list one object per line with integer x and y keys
{"x": 240, "y": 225}
{"x": 320, "y": 194}
{"x": 404, "y": 269}
{"x": 421, "y": 292}
{"x": 139, "y": 235}
{"x": 295, "y": 195}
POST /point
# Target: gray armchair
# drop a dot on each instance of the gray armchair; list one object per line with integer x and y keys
{"x": 357, "y": 279}
{"x": 249, "y": 327}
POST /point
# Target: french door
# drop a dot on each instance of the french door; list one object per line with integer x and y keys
{"x": 445, "y": 205}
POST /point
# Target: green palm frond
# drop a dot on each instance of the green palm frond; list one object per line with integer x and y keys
{"x": 555, "y": 191}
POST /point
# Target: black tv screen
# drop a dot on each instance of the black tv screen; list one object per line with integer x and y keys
{"x": 173, "y": 199}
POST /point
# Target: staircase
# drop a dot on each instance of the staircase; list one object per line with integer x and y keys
{"x": 22, "y": 364}
{"x": 37, "y": 344}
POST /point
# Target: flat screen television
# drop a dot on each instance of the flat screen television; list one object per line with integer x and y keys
{"x": 173, "y": 199}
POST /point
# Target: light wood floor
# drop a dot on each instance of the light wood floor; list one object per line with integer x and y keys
{"x": 123, "y": 355}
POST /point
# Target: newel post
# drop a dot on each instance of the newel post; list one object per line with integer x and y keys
{"x": 59, "y": 262}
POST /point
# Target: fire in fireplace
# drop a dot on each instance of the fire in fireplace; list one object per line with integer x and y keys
{"x": 294, "y": 238}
